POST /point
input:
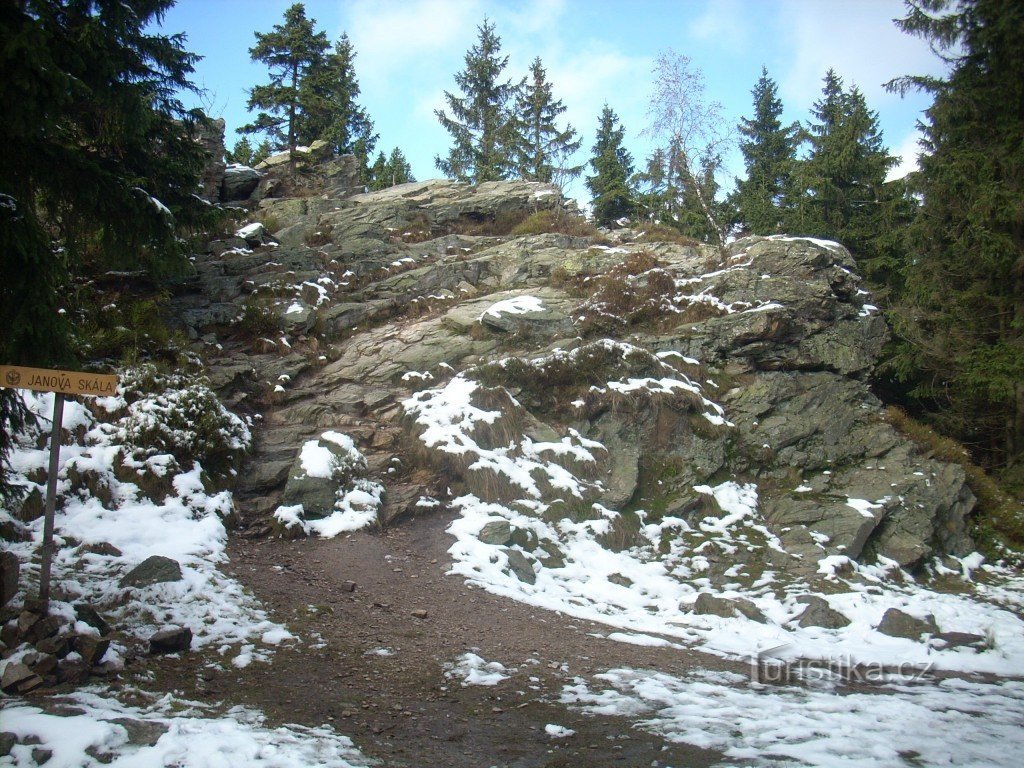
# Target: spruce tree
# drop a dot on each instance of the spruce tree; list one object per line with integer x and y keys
{"x": 840, "y": 192}
{"x": 479, "y": 121}
{"x": 962, "y": 318}
{"x": 378, "y": 173}
{"x": 769, "y": 153}
{"x": 98, "y": 166}
{"x": 330, "y": 112}
{"x": 390, "y": 171}
{"x": 542, "y": 150}
{"x": 242, "y": 153}
{"x": 612, "y": 195}
{"x": 290, "y": 51}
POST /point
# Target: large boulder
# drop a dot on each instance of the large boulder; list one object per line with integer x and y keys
{"x": 239, "y": 182}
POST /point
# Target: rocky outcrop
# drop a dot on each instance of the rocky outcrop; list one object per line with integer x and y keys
{"x": 620, "y": 380}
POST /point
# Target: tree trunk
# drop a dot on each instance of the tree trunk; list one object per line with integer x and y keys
{"x": 291, "y": 116}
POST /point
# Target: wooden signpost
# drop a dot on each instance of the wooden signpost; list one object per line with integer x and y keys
{"x": 61, "y": 383}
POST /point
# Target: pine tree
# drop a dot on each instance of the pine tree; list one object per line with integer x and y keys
{"x": 962, "y": 319}
{"x": 769, "y": 153}
{"x": 98, "y": 165}
{"x": 290, "y": 52}
{"x": 542, "y": 150}
{"x": 330, "y": 112}
{"x": 479, "y": 123}
{"x": 390, "y": 171}
{"x": 612, "y": 195}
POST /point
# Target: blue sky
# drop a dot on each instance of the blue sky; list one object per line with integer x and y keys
{"x": 595, "y": 51}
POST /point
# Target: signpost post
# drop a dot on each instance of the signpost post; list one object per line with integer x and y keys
{"x": 61, "y": 383}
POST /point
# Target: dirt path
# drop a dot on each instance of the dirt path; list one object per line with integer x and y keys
{"x": 400, "y": 708}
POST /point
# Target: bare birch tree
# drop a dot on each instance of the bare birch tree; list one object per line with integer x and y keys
{"x": 694, "y": 136}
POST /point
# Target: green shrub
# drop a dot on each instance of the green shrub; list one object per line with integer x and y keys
{"x": 118, "y": 325}
{"x": 257, "y": 319}
{"x": 180, "y": 415}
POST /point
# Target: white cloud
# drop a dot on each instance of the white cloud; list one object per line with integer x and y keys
{"x": 723, "y": 21}
{"x": 396, "y": 41}
{"x": 857, "y": 39}
{"x": 907, "y": 152}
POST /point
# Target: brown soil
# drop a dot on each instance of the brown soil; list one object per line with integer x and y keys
{"x": 401, "y": 709}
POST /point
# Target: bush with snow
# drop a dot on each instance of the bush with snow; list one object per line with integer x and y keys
{"x": 178, "y": 415}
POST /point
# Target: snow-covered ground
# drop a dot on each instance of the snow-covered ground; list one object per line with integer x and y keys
{"x": 98, "y": 543}
{"x": 953, "y": 722}
{"x": 99, "y": 540}
{"x": 98, "y": 731}
{"x": 909, "y": 710}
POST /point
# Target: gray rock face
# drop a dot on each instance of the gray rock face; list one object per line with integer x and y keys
{"x": 391, "y": 293}
{"x": 520, "y": 566}
{"x": 153, "y": 570}
{"x": 211, "y": 137}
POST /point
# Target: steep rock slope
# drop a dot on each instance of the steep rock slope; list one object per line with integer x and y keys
{"x": 646, "y": 433}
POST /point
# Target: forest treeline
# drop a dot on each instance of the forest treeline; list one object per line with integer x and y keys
{"x": 95, "y": 175}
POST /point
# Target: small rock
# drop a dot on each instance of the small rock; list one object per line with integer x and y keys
{"x": 962, "y": 640}
{"x": 55, "y": 646}
{"x": 9, "y": 570}
{"x": 91, "y": 649}
{"x": 521, "y": 566}
{"x": 142, "y": 733}
{"x": 25, "y": 621}
{"x": 171, "y": 640}
{"x": 708, "y": 604}
{"x": 7, "y": 742}
{"x": 347, "y": 586}
{"x": 419, "y": 614}
{"x": 496, "y": 532}
{"x": 72, "y": 672}
{"x": 10, "y": 635}
{"x": 41, "y": 755}
{"x": 896, "y": 623}
{"x": 45, "y": 627}
{"x": 820, "y": 614}
{"x": 18, "y": 678}
{"x": 153, "y": 570}
{"x": 102, "y": 548}
{"x": 88, "y": 614}
{"x": 41, "y": 663}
